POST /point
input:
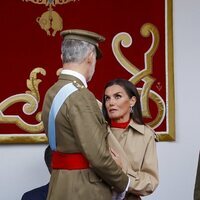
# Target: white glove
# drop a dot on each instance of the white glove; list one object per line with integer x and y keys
{"x": 118, "y": 196}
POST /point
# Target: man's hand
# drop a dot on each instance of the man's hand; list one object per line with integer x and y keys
{"x": 116, "y": 157}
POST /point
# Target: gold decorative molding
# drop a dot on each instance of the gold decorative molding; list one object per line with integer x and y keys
{"x": 23, "y": 139}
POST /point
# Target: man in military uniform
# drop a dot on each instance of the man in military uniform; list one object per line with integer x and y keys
{"x": 82, "y": 165}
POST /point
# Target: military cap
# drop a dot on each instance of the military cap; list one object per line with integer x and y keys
{"x": 83, "y": 35}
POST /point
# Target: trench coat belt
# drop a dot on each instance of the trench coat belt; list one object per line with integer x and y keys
{"x": 69, "y": 161}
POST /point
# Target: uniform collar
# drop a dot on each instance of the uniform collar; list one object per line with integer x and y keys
{"x": 76, "y": 74}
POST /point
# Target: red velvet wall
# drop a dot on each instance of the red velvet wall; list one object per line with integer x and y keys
{"x": 25, "y": 46}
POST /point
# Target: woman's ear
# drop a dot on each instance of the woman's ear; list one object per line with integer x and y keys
{"x": 61, "y": 57}
{"x": 133, "y": 101}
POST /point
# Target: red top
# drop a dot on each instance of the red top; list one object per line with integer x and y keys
{"x": 120, "y": 125}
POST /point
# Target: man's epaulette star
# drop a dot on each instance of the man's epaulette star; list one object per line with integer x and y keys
{"x": 78, "y": 85}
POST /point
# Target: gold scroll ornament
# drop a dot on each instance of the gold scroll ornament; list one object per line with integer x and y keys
{"x": 31, "y": 99}
{"x": 145, "y": 74}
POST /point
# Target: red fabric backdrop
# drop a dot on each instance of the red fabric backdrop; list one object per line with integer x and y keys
{"x": 25, "y": 46}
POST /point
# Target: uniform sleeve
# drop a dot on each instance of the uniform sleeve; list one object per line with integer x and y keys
{"x": 146, "y": 180}
{"x": 90, "y": 133}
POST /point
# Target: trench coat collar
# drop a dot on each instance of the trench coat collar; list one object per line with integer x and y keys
{"x": 71, "y": 79}
{"x": 138, "y": 127}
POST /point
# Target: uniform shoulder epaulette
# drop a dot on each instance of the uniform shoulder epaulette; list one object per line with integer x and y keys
{"x": 77, "y": 85}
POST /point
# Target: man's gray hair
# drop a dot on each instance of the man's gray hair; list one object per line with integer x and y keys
{"x": 76, "y": 50}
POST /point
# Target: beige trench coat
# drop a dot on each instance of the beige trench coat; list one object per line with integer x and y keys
{"x": 80, "y": 127}
{"x": 137, "y": 149}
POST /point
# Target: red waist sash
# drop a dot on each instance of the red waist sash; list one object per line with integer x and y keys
{"x": 69, "y": 161}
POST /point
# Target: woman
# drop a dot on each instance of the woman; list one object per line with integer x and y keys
{"x": 129, "y": 138}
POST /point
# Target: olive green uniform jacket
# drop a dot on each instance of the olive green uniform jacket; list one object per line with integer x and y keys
{"x": 80, "y": 127}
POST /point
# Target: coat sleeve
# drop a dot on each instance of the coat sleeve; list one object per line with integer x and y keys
{"x": 146, "y": 180}
{"x": 89, "y": 129}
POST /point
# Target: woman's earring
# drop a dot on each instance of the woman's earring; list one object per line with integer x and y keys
{"x": 131, "y": 109}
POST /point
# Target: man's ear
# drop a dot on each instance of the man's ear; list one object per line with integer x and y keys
{"x": 90, "y": 58}
{"x": 58, "y": 72}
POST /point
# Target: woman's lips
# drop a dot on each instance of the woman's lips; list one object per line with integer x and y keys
{"x": 112, "y": 110}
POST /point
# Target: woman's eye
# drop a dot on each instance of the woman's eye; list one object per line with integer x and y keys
{"x": 106, "y": 98}
{"x": 118, "y": 96}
